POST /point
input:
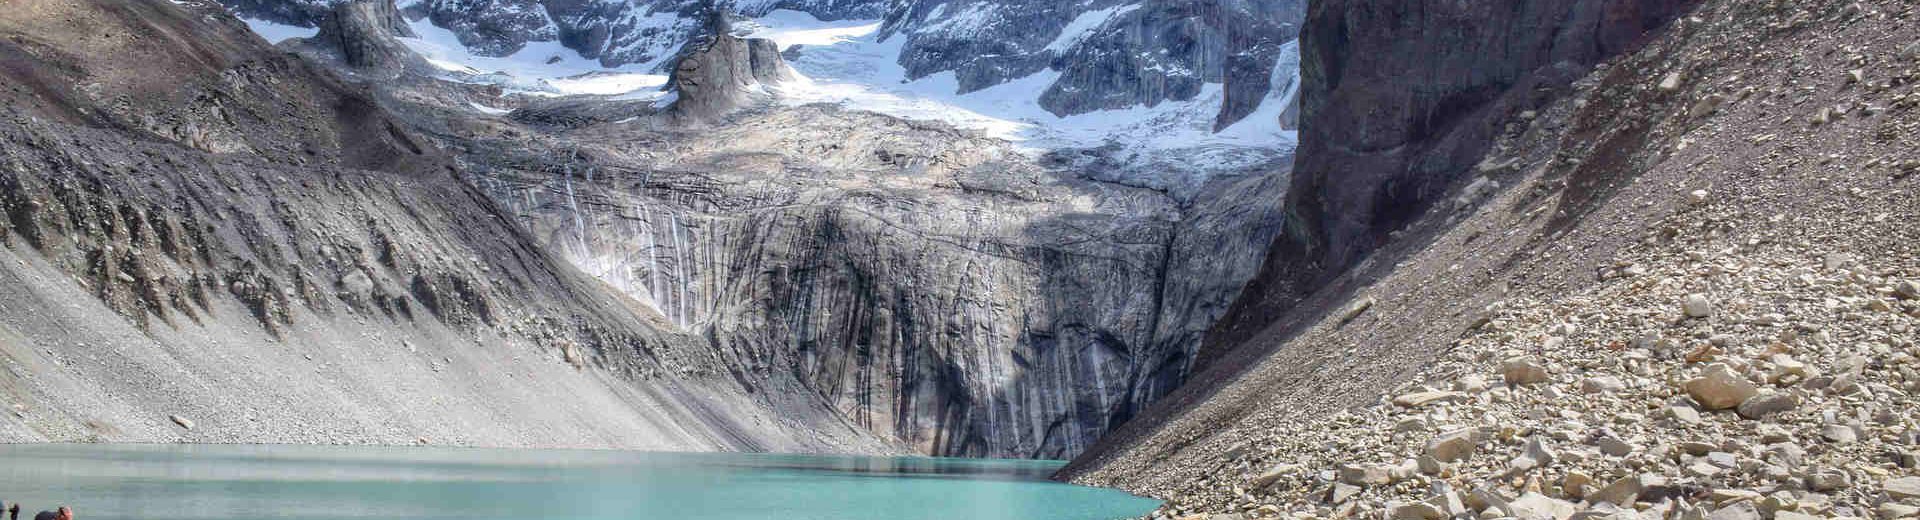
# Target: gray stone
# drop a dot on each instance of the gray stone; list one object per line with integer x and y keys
{"x": 1839, "y": 434}
{"x": 1697, "y": 306}
{"x": 1907, "y": 290}
{"x": 1769, "y": 403}
{"x": 1602, "y": 385}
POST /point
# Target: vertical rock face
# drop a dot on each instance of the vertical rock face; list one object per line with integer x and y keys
{"x": 362, "y": 34}
{"x": 722, "y": 72}
{"x": 938, "y": 289}
{"x": 1402, "y": 98}
{"x": 1252, "y": 76}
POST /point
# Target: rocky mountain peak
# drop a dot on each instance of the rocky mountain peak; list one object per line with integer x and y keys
{"x": 363, "y": 35}
{"x": 721, "y": 72}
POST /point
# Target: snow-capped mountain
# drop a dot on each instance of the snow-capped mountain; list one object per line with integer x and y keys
{"x": 1029, "y": 273}
{"x": 1173, "y": 74}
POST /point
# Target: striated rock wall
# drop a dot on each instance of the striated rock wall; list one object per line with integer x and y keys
{"x": 939, "y": 289}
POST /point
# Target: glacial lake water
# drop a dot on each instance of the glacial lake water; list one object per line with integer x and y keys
{"x": 211, "y": 482}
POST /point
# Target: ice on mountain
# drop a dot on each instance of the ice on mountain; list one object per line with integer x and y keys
{"x": 276, "y": 32}
{"x": 1084, "y": 25}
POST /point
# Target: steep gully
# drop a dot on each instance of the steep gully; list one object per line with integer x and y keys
{"x": 1402, "y": 101}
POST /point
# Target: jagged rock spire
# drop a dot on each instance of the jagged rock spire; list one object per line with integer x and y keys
{"x": 720, "y": 72}
{"x": 362, "y": 33}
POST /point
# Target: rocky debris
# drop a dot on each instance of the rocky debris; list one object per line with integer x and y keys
{"x": 1801, "y": 245}
{"x": 1776, "y": 439}
{"x": 1747, "y": 415}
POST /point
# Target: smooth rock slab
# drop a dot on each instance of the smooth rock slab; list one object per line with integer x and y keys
{"x": 1903, "y": 488}
{"x": 1452, "y": 446}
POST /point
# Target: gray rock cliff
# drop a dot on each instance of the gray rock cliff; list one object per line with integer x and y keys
{"x": 939, "y": 289}
{"x": 1400, "y": 100}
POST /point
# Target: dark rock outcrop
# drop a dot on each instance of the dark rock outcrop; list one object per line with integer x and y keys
{"x": 1400, "y": 100}
{"x": 361, "y": 33}
{"x": 722, "y": 72}
{"x": 1253, "y": 76}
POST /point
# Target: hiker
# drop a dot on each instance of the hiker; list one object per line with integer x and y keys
{"x": 15, "y": 509}
{"x": 63, "y": 514}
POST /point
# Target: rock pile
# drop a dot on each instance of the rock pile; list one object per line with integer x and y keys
{"x": 1775, "y": 383}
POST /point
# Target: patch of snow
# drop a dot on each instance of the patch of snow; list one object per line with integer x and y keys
{"x": 962, "y": 24}
{"x": 664, "y": 98}
{"x": 864, "y": 73}
{"x": 275, "y": 33}
{"x": 1084, "y": 25}
{"x": 541, "y": 68}
{"x": 489, "y": 110}
{"x": 607, "y": 83}
{"x": 788, "y": 28}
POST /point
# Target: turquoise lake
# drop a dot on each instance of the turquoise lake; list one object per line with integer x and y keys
{"x": 111, "y": 482}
